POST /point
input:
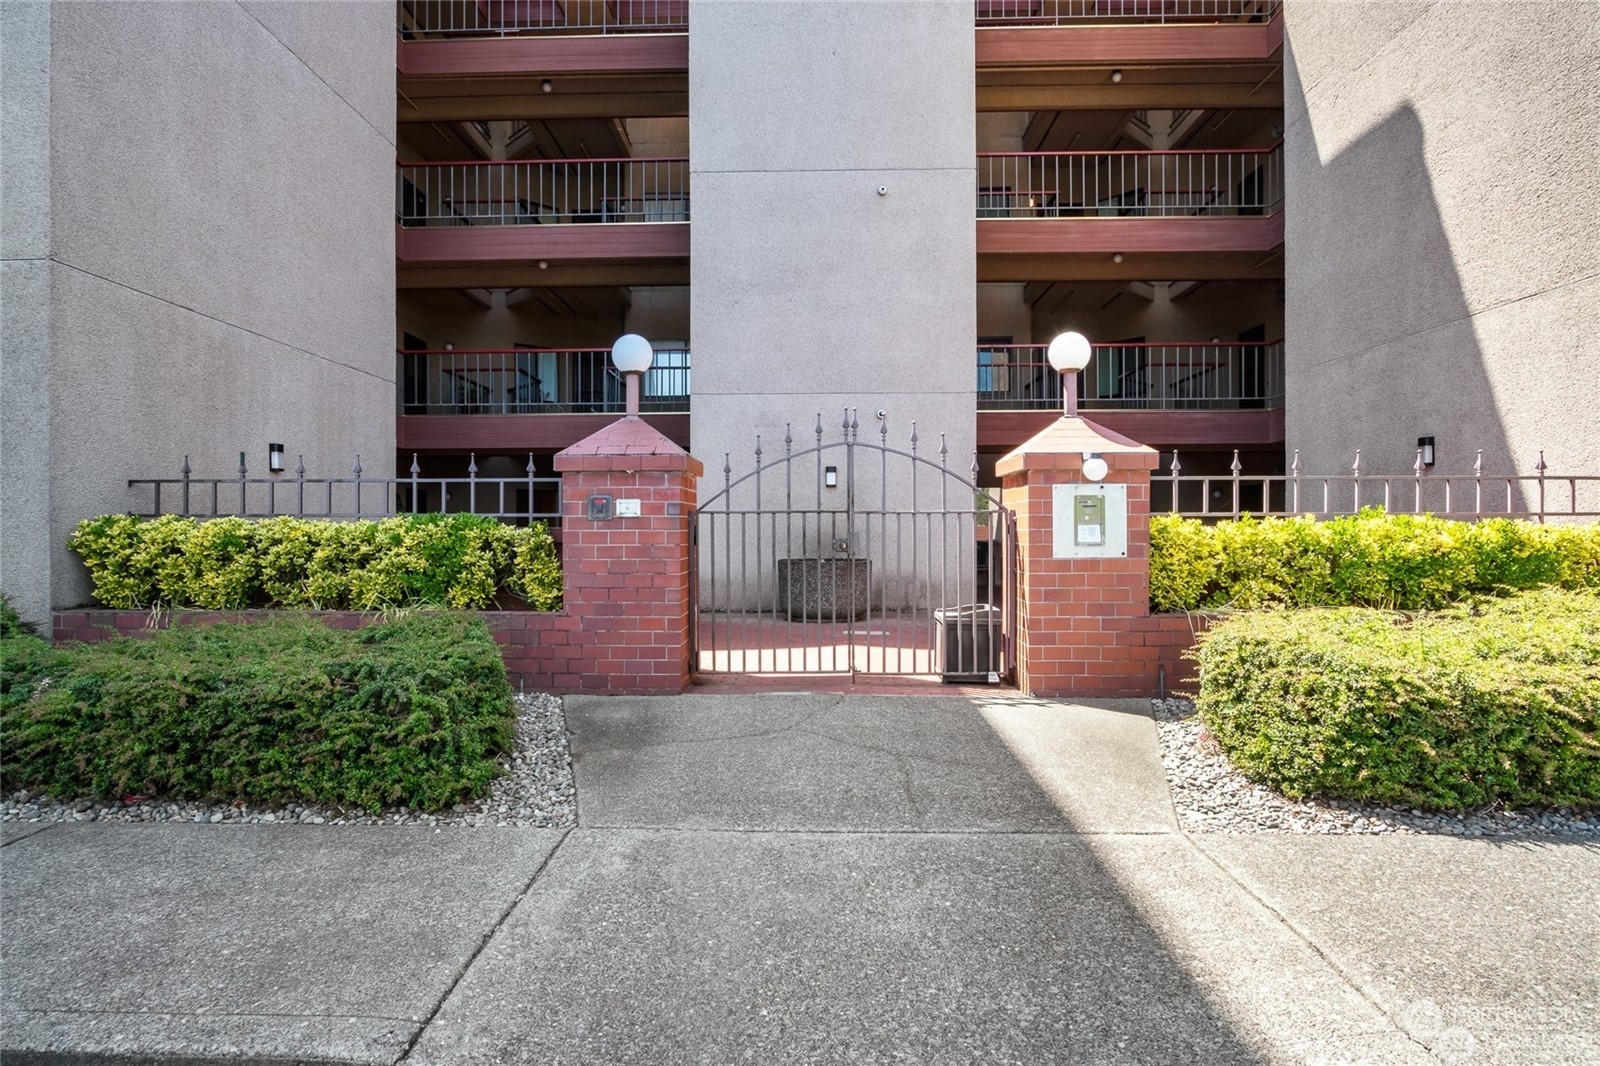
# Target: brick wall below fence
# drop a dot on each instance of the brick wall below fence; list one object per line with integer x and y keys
{"x": 545, "y": 652}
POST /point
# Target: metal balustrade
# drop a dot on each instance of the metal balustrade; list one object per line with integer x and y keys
{"x": 542, "y": 192}
{"x": 1136, "y": 377}
{"x": 1089, "y": 12}
{"x": 512, "y": 18}
{"x": 533, "y": 381}
{"x": 1539, "y": 496}
{"x": 1201, "y": 182}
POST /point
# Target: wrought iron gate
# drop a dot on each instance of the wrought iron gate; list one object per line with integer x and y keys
{"x": 854, "y": 557}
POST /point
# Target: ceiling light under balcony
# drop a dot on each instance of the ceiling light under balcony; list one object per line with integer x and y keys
{"x": 547, "y": 86}
{"x": 1116, "y": 76}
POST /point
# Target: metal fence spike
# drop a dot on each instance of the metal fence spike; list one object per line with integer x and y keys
{"x": 1539, "y": 466}
{"x": 472, "y": 464}
{"x": 1236, "y": 466}
{"x": 186, "y": 466}
{"x": 357, "y": 468}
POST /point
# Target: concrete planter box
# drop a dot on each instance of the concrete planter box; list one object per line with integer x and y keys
{"x": 824, "y": 590}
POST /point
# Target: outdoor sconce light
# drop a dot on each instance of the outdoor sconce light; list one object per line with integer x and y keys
{"x": 1095, "y": 467}
{"x": 632, "y": 355}
{"x": 830, "y": 476}
{"x": 275, "y": 458}
{"x": 546, "y": 86}
{"x": 1425, "y": 450}
{"x": 1068, "y": 354}
{"x": 1116, "y": 75}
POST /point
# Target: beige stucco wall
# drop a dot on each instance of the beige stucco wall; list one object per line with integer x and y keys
{"x": 1443, "y": 233}
{"x": 221, "y": 256}
{"x": 811, "y": 291}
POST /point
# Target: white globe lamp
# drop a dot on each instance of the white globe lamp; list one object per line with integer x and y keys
{"x": 1068, "y": 354}
{"x": 631, "y": 355}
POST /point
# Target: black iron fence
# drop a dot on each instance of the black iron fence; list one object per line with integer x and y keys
{"x": 1539, "y": 496}
{"x": 519, "y": 500}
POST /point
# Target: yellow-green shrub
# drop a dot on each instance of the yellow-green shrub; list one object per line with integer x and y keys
{"x": 457, "y": 561}
{"x": 1407, "y": 562}
{"x": 1498, "y": 700}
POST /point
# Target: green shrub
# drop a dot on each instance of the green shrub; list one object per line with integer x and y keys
{"x": 456, "y": 561}
{"x": 411, "y": 711}
{"x": 1497, "y": 700}
{"x": 1403, "y": 562}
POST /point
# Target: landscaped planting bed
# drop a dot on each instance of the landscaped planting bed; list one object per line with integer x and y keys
{"x": 1493, "y": 702}
{"x": 415, "y": 711}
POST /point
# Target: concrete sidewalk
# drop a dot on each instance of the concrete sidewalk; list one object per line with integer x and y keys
{"x": 787, "y": 879}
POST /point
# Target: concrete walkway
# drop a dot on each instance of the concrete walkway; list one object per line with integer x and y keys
{"x": 804, "y": 879}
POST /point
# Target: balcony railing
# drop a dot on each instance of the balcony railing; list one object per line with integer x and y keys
{"x": 1227, "y": 182}
{"x": 533, "y": 381}
{"x": 542, "y": 192}
{"x": 1136, "y": 377}
{"x": 512, "y": 18}
{"x": 1089, "y": 12}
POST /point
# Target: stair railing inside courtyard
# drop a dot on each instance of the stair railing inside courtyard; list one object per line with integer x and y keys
{"x": 1480, "y": 493}
{"x": 542, "y": 192}
{"x": 511, "y": 18}
{"x": 1204, "y": 183}
{"x": 1136, "y": 377}
{"x": 518, "y": 499}
{"x": 1088, "y": 12}
{"x": 533, "y": 381}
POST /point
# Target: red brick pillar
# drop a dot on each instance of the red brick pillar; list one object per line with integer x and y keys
{"x": 1081, "y": 621}
{"x": 627, "y": 576}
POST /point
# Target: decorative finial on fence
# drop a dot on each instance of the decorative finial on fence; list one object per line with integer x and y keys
{"x": 1236, "y": 467}
{"x": 242, "y": 470}
{"x": 727, "y": 468}
{"x": 1294, "y": 467}
{"x": 855, "y": 425}
{"x": 186, "y": 468}
{"x": 819, "y": 429}
{"x": 472, "y": 464}
{"x": 300, "y": 467}
{"x": 788, "y": 438}
{"x": 1176, "y": 466}
{"x": 1355, "y": 468}
{"x": 1416, "y": 467}
{"x": 357, "y": 468}
{"x": 758, "y": 449}
{"x": 974, "y": 466}
{"x": 416, "y": 467}
{"x": 1539, "y": 467}
{"x": 529, "y": 469}
{"x": 846, "y": 425}
{"x": 883, "y": 432}
{"x": 1477, "y": 465}
{"x": 944, "y": 450}
{"x": 913, "y": 436}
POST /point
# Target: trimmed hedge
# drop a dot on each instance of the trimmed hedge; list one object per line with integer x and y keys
{"x": 1397, "y": 562}
{"x": 411, "y": 711}
{"x": 1495, "y": 701}
{"x": 457, "y": 561}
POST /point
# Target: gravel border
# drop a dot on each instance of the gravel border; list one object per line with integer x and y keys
{"x": 536, "y": 791}
{"x": 1212, "y": 797}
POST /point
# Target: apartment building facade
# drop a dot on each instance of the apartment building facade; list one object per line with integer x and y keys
{"x": 1304, "y": 226}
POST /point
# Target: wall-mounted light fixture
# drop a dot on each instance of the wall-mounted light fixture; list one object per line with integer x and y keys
{"x": 830, "y": 477}
{"x": 1095, "y": 468}
{"x": 275, "y": 458}
{"x": 1117, "y": 258}
{"x": 546, "y": 86}
{"x": 1425, "y": 450}
{"x": 1116, "y": 75}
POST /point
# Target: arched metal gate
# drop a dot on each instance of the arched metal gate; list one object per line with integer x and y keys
{"x": 854, "y": 557}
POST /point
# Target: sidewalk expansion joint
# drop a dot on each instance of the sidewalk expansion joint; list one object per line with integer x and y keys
{"x": 1348, "y": 978}
{"x": 794, "y": 831}
{"x": 28, "y": 836}
{"x": 482, "y": 943}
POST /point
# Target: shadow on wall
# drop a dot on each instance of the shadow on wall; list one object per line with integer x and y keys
{"x": 1381, "y": 347}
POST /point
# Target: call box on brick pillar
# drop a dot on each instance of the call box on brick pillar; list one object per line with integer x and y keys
{"x": 1083, "y": 552}
{"x": 627, "y": 497}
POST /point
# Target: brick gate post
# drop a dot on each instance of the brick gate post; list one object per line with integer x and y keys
{"x": 627, "y": 497}
{"x": 1082, "y": 607}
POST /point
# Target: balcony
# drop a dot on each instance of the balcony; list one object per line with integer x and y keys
{"x": 535, "y": 399}
{"x": 1198, "y": 214}
{"x": 516, "y": 18}
{"x": 1159, "y": 394}
{"x": 543, "y": 223}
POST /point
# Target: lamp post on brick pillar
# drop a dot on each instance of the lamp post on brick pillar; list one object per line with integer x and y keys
{"x": 1082, "y": 496}
{"x": 632, "y": 356}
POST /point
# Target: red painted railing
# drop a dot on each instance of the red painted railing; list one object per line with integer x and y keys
{"x": 1149, "y": 12}
{"x": 532, "y": 381}
{"x": 513, "y": 18}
